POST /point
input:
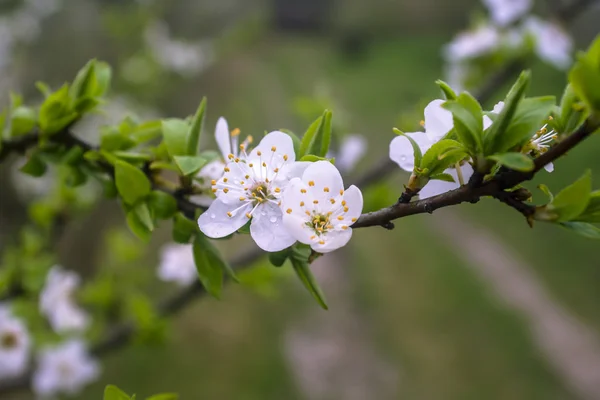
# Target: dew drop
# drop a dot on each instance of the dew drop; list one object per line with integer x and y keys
{"x": 273, "y": 219}
{"x": 403, "y": 158}
{"x": 213, "y": 216}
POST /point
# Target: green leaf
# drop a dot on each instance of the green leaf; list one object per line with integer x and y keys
{"x": 131, "y": 156}
{"x": 196, "y": 129}
{"x": 138, "y": 227}
{"x": 162, "y": 204}
{"x": 527, "y": 120}
{"x": 468, "y": 121}
{"x": 582, "y": 228}
{"x": 209, "y": 264}
{"x": 23, "y": 120}
{"x": 278, "y": 258}
{"x": 493, "y": 138}
{"x": 324, "y": 133}
{"x": 446, "y": 89}
{"x": 189, "y": 165}
{"x": 142, "y": 211}
{"x": 418, "y": 156}
{"x": 103, "y": 77}
{"x": 585, "y": 76}
{"x": 308, "y": 140}
{"x": 299, "y": 258}
{"x": 295, "y": 139}
{"x": 443, "y": 177}
{"x": 516, "y": 161}
{"x": 132, "y": 183}
{"x": 111, "y": 392}
{"x": 84, "y": 83}
{"x": 592, "y": 210}
{"x": 442, "y": 155}
{"x": 183, "y": 228}
{"x": 112, "y": 140}
{"x": 175, "y": 132}
{"x": 55, "y": 112}
{"x": 546, "y": 191}
{"x": 313, "y": 158}
{"x": 572, "y": 200}
{"x": 35, "y": 166}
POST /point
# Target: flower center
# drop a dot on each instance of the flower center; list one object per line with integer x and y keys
{"x": 320, "y": 223}
{"x": 9, "y": 340}
{"x": 260, "y": 192}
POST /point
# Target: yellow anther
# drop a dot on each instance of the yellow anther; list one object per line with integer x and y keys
{"x": 214, "y": 190}
{"x": 242, "y": 147}
{"x": 326, "y": 189}
{"x": 236, "y": 132}
{"x": 225, "y": 180}
{"x": 341, "y": 192}
{"x": 231, "y": 156}
{"x": 340, "y": 218}
{"x": 313, "y": 237}
{"x": 301, "y": 204}
{"x": 250, "y": 165}
{"x": 248, "y": 215}
{"x": 237, "y": 160}
{"x": 225, "y": 190}
{"x": 285, "y": 157}
{"x": 229, "y": 214}
{"x": 311, "y": 183}
{"x": 273, "y": 148}
{"x": 276, "y": 170}
{"x": 346, "y": 209}
{"x": 354, "y": 219}
{"x": 422, "y": 122}
{"x": 550, "y": 118}
{"x": 321, "y": 242}
{"x": 307, "y": 213}
{"x": 267, "y": 180}
{"x": 250, "y": 139}
{"x": 302, "y": 190}
{"x": 289, "y": 211}
{"x": 259, "y": 153}
{"x": 329, "y": 226}
{"x": 344, "y": 227}
{"x": 226, "y": 169}
{"x": 332, "y": 201}
{"x": 242, "y": 198}
{"x": 264, "y": 164}
{"x": 343, "y": 202}
{"x": 213, "y": 182}
{"x": 247, "y": 176}
{"x": 279, "y": 204}
{"x": 242, "y": 182}
{"x": 277, "y": 190}
{"x": 315, "y": 201}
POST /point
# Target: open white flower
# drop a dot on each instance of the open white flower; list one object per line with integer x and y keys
{"x": 352, "y": 149}
{"x": 228, "y": 143}
{"x": 177, "y": 264}
{"x": 552, "y": 43}
{"x": 57, "y": 304}
{"x": 471, "y": 44}
{"x": 317, "y": 209}
{"x": 15, "y": 344}
{"x": 64, "y": 369}
{"x": 505, "y": 12}
{"x": 250, "y": 189}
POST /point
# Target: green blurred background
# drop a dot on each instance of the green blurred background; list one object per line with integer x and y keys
{"x": 469, "y": 303}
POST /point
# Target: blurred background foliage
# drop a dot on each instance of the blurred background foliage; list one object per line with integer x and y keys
{"x": 409, "y": 317}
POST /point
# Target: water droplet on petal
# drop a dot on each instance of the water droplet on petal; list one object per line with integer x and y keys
{"x": 273, "y": 219}
{"x": 213, "y": 216}
{"x": 263, "y": 213}
{"x": 403, "y": 158}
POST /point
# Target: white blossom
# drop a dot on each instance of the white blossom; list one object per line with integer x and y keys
{"x": 15, "y": 344}
{"x": 505, "y": 12}
{"x": 177, "y": 264}
{"x": 552, "y": 43}
{"x": 250, "y": 189}
{"x": 317, "y": 209}
{"x": 57, "y": 303}
{"x": 64, "y": 369}
{"x": 228, "y": 143}
{"x": 471, "y": 44}
{"x": 352, "y": 149}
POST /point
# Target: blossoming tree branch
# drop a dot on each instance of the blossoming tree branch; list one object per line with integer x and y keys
{"x": 285, "y": 190}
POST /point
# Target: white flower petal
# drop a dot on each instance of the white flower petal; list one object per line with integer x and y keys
{"x": 282, "y": 143}
{"x": 438, "y": 120}
{"x": 351, "y": 151}
{"x": 292, "y": 196}
{"x": 435, "y": 187}
{"x": 297, "y": 228}
{"x": 268, "y": 230}
{"x": 295, "y": 169}
{"x": 177, "y": 264}
{"x": 354, "y": 201}
{"x": 401, "y": 151}
{"x": 215, "y": 223}
{"x": 549, "y": 167}
{"x": 552, "y": 43}
{"x": 324, "y": 180}
{"x": 222, "y": 137}
{"x": 333, "y": 241}
{"x": 505, "y": 12}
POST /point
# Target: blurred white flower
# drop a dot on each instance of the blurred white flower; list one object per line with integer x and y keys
{"x": 183, "y": 58}
{"x": 177, "y": 264}
{"x": 66, "y": 369}
{"x": 505, "y": 12}
{"x": 14, "y": 344}
{"x": 250, "y": 190}
{"x": 351, "y": 150}
{"x": 57, "y": 304}
{"x": 552, "y": 43}
{"x": 470, "y": 44}
{"x": 456, "y": 74}
{"x": 317, "y": 209}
